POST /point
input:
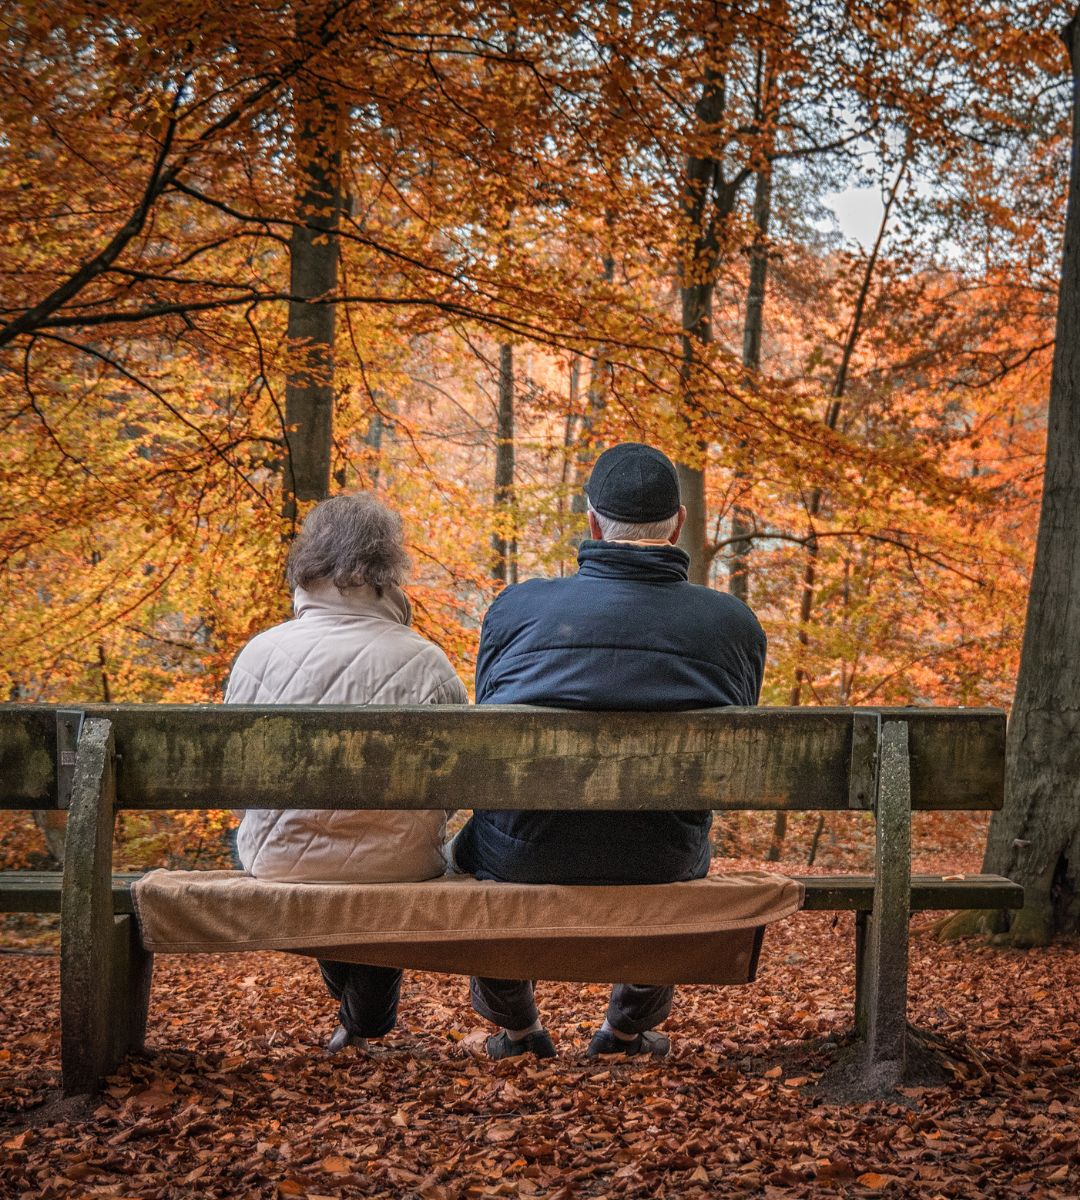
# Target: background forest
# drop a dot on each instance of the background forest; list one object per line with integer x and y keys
{"x": 254, "y": 254}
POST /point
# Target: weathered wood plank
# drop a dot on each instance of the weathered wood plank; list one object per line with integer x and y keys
{"x": 27, "y": 756}
{"x": 39, "y": 892}
{"x": 200, "y": 756}
{"x": 956, "y": 755}
{"x": 837, "y": 893}
{"x": 862, "y": 771}
{"x": 884, "y": 968}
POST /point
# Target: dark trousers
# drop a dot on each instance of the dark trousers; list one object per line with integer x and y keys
{"x": 368, "y": 996}
{"x": 633, "y": 1008}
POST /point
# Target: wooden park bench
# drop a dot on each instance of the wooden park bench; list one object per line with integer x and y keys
{"x": 148, "y": 757}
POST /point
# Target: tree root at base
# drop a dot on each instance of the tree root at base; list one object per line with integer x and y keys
{"x": 930, "y": 1061}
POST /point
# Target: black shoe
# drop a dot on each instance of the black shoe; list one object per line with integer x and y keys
{"x": 653, "y": 1044}
{"x": 501, "y": 1045}
{"x": 341, "y": 1039}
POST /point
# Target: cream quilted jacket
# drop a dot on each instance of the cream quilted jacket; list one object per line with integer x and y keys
{"x": 349, "y": 647}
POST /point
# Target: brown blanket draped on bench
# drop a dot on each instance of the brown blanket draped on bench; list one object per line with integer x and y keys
{"x": 705, "y": 931}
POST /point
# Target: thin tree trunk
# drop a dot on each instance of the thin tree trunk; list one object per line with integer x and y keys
{"x": 504, "y": 545}
{"x": 314, "y": 250}
{"x": 373, "y": 439}
{"x": 53, "y": 825}
{"x": 708, "y": 202}
{"x": 832, "y": 417}
{"x": 1035, "y": 838}
{"x": 106, "y": 691}
{"x": 742, "y": 519}
{"x": 697, "y": 334}
{"x": 594, "y": 410}
{"x": 568, "y": 455}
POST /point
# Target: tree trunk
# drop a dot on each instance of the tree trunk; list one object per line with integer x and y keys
{"x": 569, "y": 460}
{"x": 373, "y": 441}
{"x": 708, "y": 202}
{"x": 597, "y": 401}
{"x": 52, "y": 822}
{"x": 832, "y": 417}
{"x": 314, "y": 250}
{"x": 704, "y": 199}
{"x": 1035, "y": 839}
{"x": 697, "y": 332}
{"x": 503, "y": 542}
{"x": 742, "y": 520}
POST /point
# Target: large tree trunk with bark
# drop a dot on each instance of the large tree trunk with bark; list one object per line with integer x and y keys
{"x": 503, "y": 541}
{"x": 314, "y": 249}
{"x": 1035, "y": 839}
{"x": 708, "y": 201}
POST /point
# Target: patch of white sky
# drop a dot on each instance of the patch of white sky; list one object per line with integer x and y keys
{"x": 857, "y": 211}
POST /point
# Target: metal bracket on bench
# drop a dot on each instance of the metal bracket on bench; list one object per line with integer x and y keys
{"x": 68, "y": 727}
{"x": 863, "y": 772}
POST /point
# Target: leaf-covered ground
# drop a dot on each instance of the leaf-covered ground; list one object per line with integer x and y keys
{"x": 235, "y": 1099}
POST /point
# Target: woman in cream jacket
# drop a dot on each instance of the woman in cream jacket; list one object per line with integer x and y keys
{"x": 348, "y": 643}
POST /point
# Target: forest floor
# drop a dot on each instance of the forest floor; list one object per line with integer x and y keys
{"x": 234, "y": 1097}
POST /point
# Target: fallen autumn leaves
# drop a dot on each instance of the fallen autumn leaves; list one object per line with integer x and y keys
{"x": 235, "y": 1098}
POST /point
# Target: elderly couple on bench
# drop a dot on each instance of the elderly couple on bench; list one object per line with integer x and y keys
{"x": 628, "y": 631}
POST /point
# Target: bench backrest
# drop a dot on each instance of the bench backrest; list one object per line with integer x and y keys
{"x": 265, "y": 756}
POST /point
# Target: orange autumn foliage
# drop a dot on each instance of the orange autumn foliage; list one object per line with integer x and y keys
{"x": 518, "y": 175}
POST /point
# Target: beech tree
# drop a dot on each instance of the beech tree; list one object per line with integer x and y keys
{"x": 314, "y": 254}
{"x": 1035, "y": 838}
{"x": 147, "y": 384}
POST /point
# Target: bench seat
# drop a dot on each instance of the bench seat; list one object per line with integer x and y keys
{"x": 702, "y": 931}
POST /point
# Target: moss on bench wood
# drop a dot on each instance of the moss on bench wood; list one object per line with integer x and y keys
{"x": 212, "y": 756}
{"x": 27, "y": 756}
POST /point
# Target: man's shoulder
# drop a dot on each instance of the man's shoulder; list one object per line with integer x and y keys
{"x": 529, "y": 592}
{"x": 717, "y": 606}
{"x": 719, "y": 600}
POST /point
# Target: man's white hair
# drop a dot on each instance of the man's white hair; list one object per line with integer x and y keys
{"x": 626, "y": 531}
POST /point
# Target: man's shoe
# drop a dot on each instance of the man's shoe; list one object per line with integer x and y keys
{"x": 649, "y": 1042}
{"x": 501, "y": 1045}
{"x": 341, "y": 1039}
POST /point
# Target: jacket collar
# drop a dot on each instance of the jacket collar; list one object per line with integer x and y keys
{"x": 633, "y": 560}
{"x": 323, "y": 598}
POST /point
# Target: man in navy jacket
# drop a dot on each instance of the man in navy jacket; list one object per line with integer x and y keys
{"x": 626, "y": 632}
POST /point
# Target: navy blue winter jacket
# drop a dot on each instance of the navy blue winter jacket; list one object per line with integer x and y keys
{"x": 626, "y": 632}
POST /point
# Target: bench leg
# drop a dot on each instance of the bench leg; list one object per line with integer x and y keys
{"x": 100, "y": 968}
{"x": 132, "y": 969}
{"x": 862, "y": 922}
{"x": 884, "y": 966}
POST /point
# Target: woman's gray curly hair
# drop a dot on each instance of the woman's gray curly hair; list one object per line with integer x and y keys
{"x": 351, "y": 540}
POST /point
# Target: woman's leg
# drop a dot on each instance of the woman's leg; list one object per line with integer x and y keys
{"x": 368, "y": 996}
